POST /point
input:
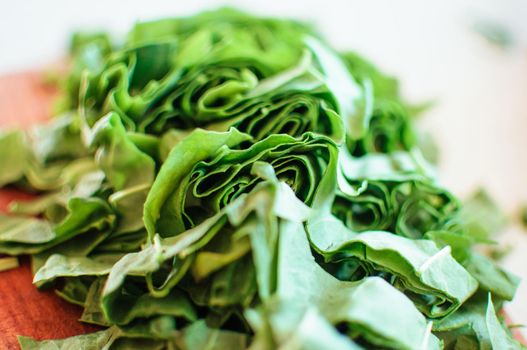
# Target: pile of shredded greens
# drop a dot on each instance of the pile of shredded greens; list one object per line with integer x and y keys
{"x": 224, "y": 181}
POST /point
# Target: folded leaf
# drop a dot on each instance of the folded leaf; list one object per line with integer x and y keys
{"x": 14, "y": 155}
{"x": 501, "y": 284}
{"x": 123, "y": 163}
{"x": 180, "y": 161}
{"x": 476, "y": 325}
{"x": 191, "y": 195}
{"x": 27, "y": 235}
{"x": 370, "y": 309}
{"x": 408, "y": 208}
{"x": 430, "y": 277}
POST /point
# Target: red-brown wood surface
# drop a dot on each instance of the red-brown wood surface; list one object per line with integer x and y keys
{"x": 24, "y": 310}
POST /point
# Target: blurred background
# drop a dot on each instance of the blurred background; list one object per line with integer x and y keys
{"x": 468, "y": 57}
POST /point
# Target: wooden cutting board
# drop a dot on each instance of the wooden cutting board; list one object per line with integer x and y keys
{"x": 26, "y": 100}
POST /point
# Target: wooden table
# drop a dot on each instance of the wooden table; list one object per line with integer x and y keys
{"x": 25, "y": 100}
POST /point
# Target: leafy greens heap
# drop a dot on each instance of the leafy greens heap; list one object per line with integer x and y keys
{"x": 228, "y": 182}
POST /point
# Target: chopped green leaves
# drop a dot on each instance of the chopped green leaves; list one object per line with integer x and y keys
{"x": 224, "y": 181}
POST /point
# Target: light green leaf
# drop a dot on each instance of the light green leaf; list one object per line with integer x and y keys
{"x": 14, "y": 157}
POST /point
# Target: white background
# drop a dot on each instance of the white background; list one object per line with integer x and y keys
{"x": 480, "y": 119}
